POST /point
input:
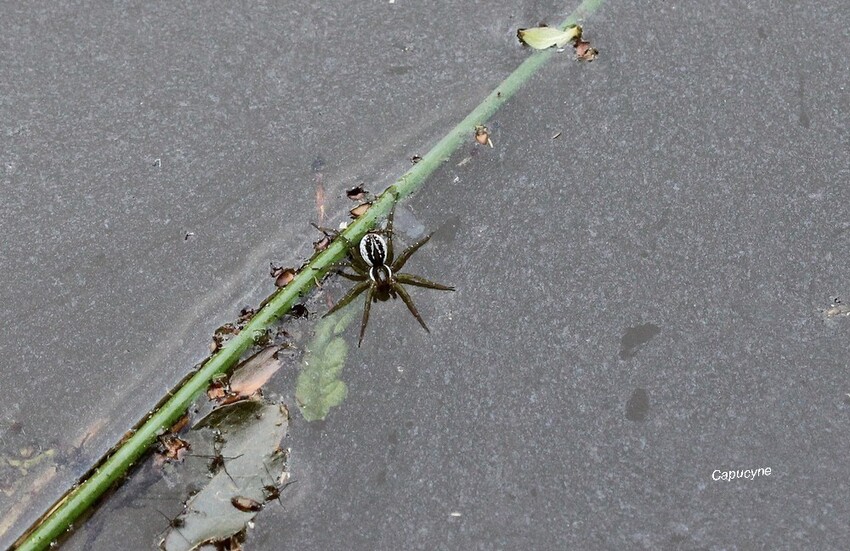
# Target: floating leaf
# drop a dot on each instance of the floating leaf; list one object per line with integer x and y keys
{"x": 541, "y": 38}
{"x": 252, "y": 432}
{"x": 233, "y": 412}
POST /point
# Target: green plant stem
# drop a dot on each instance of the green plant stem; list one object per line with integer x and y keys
{"x": 113, "y": 468}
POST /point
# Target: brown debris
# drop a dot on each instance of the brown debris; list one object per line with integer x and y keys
{"x": 246, "y": 504}
{"x": 254, "y": 372}
{"x": 233, "y": 543}
{"x": 283, "y": 276}
{"x": 181, "y": 423}
{"x": 245, "y": 314}
{"x": 328, "y": 235}
{"x": 322, "y": 244}
{"x": 482, "y": 135}
{"x": 299, "y": 311}
{"x": 356, "y": 193}
{"x": 223, "y": 334}
{"x": 585, "y": 52}
{"x": 171, "y": 449}
{"x": 360, "y": 209}
{"x": 218, "y": 389}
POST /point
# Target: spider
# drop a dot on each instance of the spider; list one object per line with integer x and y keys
{"x": 378, "y": 274}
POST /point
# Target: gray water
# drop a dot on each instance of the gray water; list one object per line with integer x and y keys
{"x": 641, "y": 301}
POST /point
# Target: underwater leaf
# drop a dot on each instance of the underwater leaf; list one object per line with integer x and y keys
{"x": 319, "y": 388}
{"x": 335, "y": 393}
{"x": 541, "y": 38}
{"x": 334, "y": 357}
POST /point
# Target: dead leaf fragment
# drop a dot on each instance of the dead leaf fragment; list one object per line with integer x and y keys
{"x": 255, "y": 372}
{"x": 282, "y": 276}
{"x": 218, "y": 389}
{"x": 482, "y": 135}
{"x": 328, "y": 236}
{"x": 321, "y": 244}
{"x": 246, "y": 504}
{"x": 585, "y": 52}
{"x": 222, "y": 335}
{"x": 171, "y": 449}
{"x": 181, "y": 424}
{"x": 232, "y": 543}
{"x": 360, "y": 209}
{"x": 246, "y": 314}
{"x": 356, "y": 193}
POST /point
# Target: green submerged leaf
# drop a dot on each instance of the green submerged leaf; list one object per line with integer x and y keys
{"x": 319, "y": 388}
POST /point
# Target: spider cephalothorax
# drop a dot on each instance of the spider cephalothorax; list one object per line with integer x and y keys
{"x": 378, "y": 273}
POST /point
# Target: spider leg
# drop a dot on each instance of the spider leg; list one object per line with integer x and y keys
{"x": 349, "y": 296}
{"x": 411, "y": 279}
{"x": 399, "y": 262}
{"x": 354, "y": 277}
{"x": 410, "y": 306}
{"x": 389, "y": 232}
{"x": 369, "y": 297}
{"x": 357, "y": 261}
{"x": 327, "y": 232}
